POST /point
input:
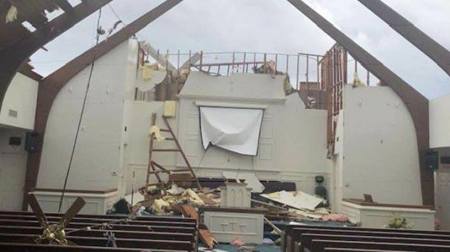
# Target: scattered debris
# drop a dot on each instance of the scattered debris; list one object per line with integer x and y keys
{"x": 205, "y": 236}
{"x": 250, "y": 179}
{"x": 298, "y": 200}
{"x": 335, "y": 217}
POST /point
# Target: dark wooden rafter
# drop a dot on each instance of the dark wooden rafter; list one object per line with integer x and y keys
{"x": 410, "y": 32}
{"x": 416, "y": 103}
{"x": 50, "y": 86}
{"x": 16, "y": 53}
{"x": 64, "y": 5}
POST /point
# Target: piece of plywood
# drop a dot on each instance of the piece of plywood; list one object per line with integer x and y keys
{"x": 299, "y": 199}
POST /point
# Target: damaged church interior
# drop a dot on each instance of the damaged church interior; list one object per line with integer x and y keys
{"x": 128, "y": 147}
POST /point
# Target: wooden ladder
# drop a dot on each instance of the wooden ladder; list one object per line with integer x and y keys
{"x": 155, "y": 168}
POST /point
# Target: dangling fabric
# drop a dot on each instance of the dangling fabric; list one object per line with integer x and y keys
{"x": 233, "y": 129}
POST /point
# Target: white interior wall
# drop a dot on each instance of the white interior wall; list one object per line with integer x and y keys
{"x": 292, "y": 145}
{"x": 139, "y": 140}
{"x": 20, "y": 99}
{"x": 98, "y": 159}
{"x": 380, "y": 155}
{"x": 13, "y": 160}
{"x": 440, "y": 122}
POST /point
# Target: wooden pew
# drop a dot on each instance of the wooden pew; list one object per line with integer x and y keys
{"x": 18, "y": 231}
{"x": 182, "y": 222}
{"x": 293, "y": 234}
{"x": 307, "y": 238}
{"x": 112, "y": 216}
{"x": 102, "y": 242}
{"x": 20, "y": 247}
{"x": 320, "y": 245}
{"x": 79, "y": 225}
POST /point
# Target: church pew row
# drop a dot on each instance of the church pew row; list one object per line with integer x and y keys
{"x": 103, "y": 241}
{"x": 124, "y": 227}
{"x": 322, "y": 245}
{"x": 298, "y": 237}
{"x": 307, "y": 240}
{"x": 299, "y": 232}
{"x": 109, "y": 217}
{"x": 21, "y": 247}
{"x": 152, "y": 221}
{"x": 19, "y": 230}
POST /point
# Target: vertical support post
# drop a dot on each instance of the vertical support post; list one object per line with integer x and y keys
{"x": 150, "y": 149}
{"x": 307, "y": 69}
{"x": 245, "y": 66}
{"x": 287, "y": 64}
{"x": 298, "y": 71}
{"x": 276, "y": 62}
{"x": 178, "y": 61}
{"x": 318, "y": 72}
{"x": 201, "y": 60}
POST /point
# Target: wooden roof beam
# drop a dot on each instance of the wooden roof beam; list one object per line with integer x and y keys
{"x": 410, "y": 32}
{"x": 416, "y": 103}
{"x": 64, "y": 5}
{"x": 15, "y": 55}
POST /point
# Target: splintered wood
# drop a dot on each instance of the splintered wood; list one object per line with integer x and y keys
{"x": 205, "y": 236}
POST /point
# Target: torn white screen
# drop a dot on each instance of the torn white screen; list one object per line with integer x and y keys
{"x": 233, "y": 129}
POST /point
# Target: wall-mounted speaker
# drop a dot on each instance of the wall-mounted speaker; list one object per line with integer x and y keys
{"x": 432, "y": 160}
{"x": 32, "y": 142}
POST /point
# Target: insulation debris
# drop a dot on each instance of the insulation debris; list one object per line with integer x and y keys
{"x": 11, "y": 15}
{"x": 154, "y": 130}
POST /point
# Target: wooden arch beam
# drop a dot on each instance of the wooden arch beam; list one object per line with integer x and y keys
{"x": 51, "y": 85}
{"x": 13, "y": 56}
{"x": 416, "y": 103}
{"x": 410, "y": 32}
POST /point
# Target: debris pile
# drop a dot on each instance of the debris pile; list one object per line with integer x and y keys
{"x": 160, "y": 201}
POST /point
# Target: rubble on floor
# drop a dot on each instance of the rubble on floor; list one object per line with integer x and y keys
{"x": 282, "y": 205}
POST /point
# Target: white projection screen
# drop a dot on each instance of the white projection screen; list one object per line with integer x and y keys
{"x": 233, "y": 129}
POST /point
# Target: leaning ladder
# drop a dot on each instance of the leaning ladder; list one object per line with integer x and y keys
{"x": 156, "y": 169}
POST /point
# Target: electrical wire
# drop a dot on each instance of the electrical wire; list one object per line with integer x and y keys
{"x": 83, "y": 107}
